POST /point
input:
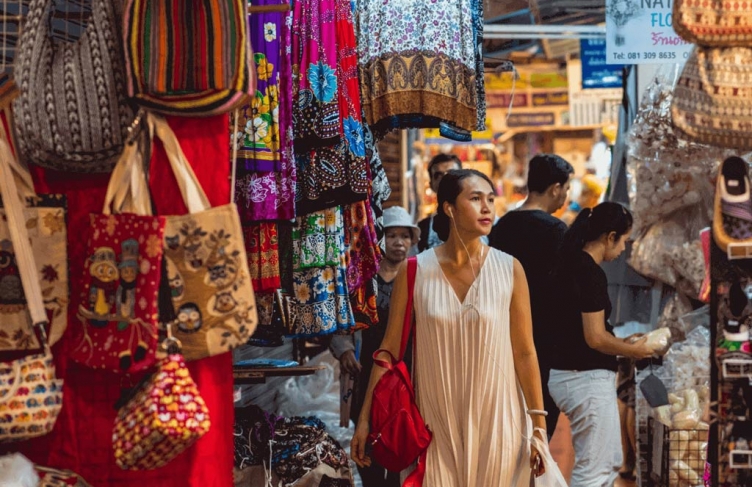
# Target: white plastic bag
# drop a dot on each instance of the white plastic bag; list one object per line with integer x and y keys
{"x": 553, "y": 476}
{"x": 17, "y": 471}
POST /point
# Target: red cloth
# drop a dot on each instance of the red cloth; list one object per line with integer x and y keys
{"x": 82, "y": 438}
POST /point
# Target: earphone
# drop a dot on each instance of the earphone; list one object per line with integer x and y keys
{"x": 451, "y": 214}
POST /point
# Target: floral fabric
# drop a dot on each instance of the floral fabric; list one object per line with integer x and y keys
{"x": 322, "y": 303}
{"x": 335, "y": 172}
{"x": 265, "y": 168}
{"x": 262, "y": 246}
{"x": 419, "y": 65}
{"x": 318, "y": 239}
{"x": 316, "y": 114}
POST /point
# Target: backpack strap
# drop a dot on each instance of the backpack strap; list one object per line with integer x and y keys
{"x": 407, "y": 327}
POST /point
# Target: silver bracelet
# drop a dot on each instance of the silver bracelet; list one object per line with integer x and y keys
{"x": 537, "y": 412}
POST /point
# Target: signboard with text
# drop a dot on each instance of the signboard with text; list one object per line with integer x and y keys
{"x": 530, "y": 119}
{"x": 642, "y": 32}
{"x": 596, "y": 73}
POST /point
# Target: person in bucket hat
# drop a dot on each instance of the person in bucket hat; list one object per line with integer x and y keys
{"x": 355, "y": 352}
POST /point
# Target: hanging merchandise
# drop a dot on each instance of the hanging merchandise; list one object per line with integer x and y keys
{"x": 164, "y": 417}
{"x": 421, "y": 65}
{"x": 262, "y": 246}
{"x": 321, "y": 303}
{"x": 667, "y": 172}
{"x": 329, "y": 142}
{"x": 265, "y": 166}
{"x": 30, "y": 394}
{"x": 72, "y": 114}
{"x": 361, "y": 241}
{"x": 713, "y": 97}
{"x": 732, "y": 219}
{"x": 717, "y": 23}
{"x": 188, "y": 58}
{"x": 118, "y": 309}
{"x": 52, "y": 477}
{"x": 209, "y": 281}
{"x": 44, "y": 217}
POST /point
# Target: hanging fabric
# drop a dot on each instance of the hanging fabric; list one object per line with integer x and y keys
{"x": 265, "y": 167}
{"x": 419, "y": 65}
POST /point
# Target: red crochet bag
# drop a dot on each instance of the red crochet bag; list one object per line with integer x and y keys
{"x": 398, "y": 435}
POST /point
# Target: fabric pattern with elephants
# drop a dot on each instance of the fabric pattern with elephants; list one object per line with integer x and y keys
{"x": 118, "y": 313}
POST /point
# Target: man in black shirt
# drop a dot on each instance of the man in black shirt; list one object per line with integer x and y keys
{"x": 532, "y": 235}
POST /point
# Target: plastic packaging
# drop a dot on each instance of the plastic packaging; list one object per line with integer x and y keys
{"x": 17, "y": 471}
{"x": 659, "y": 340}
{"x": 666, "y": 173}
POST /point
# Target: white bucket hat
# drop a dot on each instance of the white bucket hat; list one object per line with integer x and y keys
{"x": 396, "y": 216}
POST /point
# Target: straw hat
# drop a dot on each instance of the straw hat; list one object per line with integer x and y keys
{"x": 396, "y": 216}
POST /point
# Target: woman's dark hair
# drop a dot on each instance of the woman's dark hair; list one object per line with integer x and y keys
{"x": 449, "y": 188}
{"x": 590, "y": 225}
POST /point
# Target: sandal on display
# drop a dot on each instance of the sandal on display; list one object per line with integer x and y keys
{"x": 732, "y": 220}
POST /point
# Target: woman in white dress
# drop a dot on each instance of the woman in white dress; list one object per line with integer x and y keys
{"x": 476, "y": 371}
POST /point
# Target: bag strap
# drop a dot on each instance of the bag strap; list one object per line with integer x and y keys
{"x": 193, "y": 194}
{"x": 407, "y": 327}
{"x": 19, "y": 237}
{"x": 128, "y": 191}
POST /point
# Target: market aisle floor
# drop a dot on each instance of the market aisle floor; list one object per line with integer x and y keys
{"x": 563, "y": 453}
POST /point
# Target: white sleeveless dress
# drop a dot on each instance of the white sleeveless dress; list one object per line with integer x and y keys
{"x": 467, "y": 389}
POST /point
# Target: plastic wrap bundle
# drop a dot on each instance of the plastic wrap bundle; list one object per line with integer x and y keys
{"x": 666, "y": 173}
{"x": 670, "y": 251}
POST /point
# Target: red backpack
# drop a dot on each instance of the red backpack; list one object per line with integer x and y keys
{"x": 398, "y": 433}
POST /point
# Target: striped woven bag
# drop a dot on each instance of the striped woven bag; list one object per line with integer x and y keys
{"x": 189, "y": 57}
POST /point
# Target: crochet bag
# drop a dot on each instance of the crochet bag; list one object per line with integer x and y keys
{"x": 72, "y": 113}
{"x": 188, "y": 58}
{"x": 165, "y": 417}
{"x": 44, "y": 220}
{"x": 714, "y": 23}
{"x": 207, "y": 267}
{"x": 398, "y": 435}
{"x": 30, "y": 395}
{"x": 118, "y": 309}
{"x": 712, "y": 101}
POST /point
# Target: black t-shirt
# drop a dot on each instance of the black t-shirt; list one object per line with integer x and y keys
{"x": 581, "y": 287}
{"x": 533, "y": 237}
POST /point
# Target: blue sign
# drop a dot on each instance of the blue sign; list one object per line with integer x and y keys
{"x": 595, "y": 72}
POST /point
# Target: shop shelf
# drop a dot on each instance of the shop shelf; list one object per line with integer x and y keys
{"x": 740, "y": 459}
